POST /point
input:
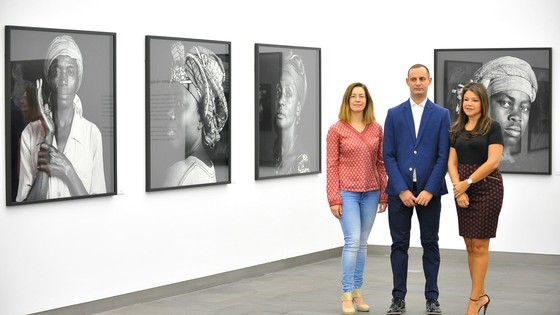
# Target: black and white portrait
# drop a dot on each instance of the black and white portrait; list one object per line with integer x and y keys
{"x": 518, "y": 83}
{"x": 287, "y": 111}
{"x": 62, "y": 83}
{"x": 187, "y": 112}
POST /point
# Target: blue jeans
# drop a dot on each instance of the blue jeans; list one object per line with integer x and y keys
{"x": 358, "y": 213}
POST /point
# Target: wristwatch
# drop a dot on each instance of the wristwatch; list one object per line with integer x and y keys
{"x": 469, "y": 180}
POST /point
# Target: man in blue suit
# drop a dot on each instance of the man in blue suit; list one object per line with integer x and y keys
{"x": 415, "y": 151}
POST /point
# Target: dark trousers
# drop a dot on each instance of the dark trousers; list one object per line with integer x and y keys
{"x": 399, "y": 223}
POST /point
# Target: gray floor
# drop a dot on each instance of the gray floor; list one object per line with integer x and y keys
{"x": 517, "y": 284}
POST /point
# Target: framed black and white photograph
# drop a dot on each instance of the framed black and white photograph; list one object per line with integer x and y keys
{"x": 60, "y": 101}
{"x": 187, "y": 112}
{"x": 287, "y": 111}
{"x": 518, "y": 81}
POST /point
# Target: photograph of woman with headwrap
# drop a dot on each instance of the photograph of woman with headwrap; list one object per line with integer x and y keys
{"x": 512, "y": 86}
{"x": 288, "y": 146}
{"x": 61, "y": 152}
{"x": 63, "y": 145}
{"x": 517, "y": 101}
{"x": 188, "y": 115}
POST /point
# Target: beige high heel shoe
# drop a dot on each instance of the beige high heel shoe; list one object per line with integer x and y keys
{"x": 347, "y": 296}
{"x": 361, "y": 307}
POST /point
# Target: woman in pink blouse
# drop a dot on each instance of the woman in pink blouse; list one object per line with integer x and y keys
{"x": 356, "y": 181}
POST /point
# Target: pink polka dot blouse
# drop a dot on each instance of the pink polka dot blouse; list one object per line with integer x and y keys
{"x": 355, "y": 161}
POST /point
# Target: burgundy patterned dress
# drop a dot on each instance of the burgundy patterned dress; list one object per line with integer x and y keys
{"x": 480, "y": 218}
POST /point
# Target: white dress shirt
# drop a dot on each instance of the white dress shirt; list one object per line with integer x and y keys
{"x": 417, "y": 110}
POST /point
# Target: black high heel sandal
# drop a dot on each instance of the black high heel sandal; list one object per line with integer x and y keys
{"x": 485, "y": 305}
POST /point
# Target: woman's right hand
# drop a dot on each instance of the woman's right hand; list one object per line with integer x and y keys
{"x": 45, "y": 114}
{"x": 336, "y": 211}
{"x": 53, "y": 162}
{"x": 463, "y": 200}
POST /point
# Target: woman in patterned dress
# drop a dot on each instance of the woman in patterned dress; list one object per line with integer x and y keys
{"x": 356, "y": 181}
{"x": 476, "y": 150}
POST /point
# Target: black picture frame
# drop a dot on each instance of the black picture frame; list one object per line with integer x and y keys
{"x": 300, "y": 152}
{"x": 91, "y": 142}
{"x": 531, "y": 153}
{"x": 197, "y": 71}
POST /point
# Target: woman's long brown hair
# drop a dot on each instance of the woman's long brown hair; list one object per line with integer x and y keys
{"x": 344, "y": 113}
{"x": 484, "y": 122}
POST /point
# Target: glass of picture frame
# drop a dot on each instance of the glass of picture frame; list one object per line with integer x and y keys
{"x": 525, "y": 152}
{"x": 60, "y": 104}
{"x": 287, "y": 111}
{"x": 188, "y": 109}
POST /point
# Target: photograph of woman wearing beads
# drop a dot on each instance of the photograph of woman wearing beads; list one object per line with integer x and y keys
{"x": 287, "y": 111}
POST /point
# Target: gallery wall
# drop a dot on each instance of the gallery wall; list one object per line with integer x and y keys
{"x": 57, "y": 254}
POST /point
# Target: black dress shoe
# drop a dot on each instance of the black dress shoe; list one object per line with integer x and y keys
{"x": 397, "y": 307}
{"x": 432, "y": 307}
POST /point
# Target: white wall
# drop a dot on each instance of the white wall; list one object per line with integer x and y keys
{"x": 63, "y": 253}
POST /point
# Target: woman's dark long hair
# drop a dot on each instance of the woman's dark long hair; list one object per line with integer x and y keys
{"x": 484, "y": 122}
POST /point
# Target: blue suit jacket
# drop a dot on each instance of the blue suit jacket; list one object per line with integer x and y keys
{"x": 403, "y": 151}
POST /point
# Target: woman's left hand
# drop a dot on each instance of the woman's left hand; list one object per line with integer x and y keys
{"x": 382, "y": 207}
{"x": 460, "y": 188}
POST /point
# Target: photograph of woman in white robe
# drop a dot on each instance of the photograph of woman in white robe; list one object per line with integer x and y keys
{"x": 61, "y": 154}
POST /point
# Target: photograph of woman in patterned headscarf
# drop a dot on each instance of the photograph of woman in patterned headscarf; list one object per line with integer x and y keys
{"x": 290, "y": 156}
{"x": 61, "y": 154}
{"x": 198, "y": 115}
{"x": 512, "y": 86}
